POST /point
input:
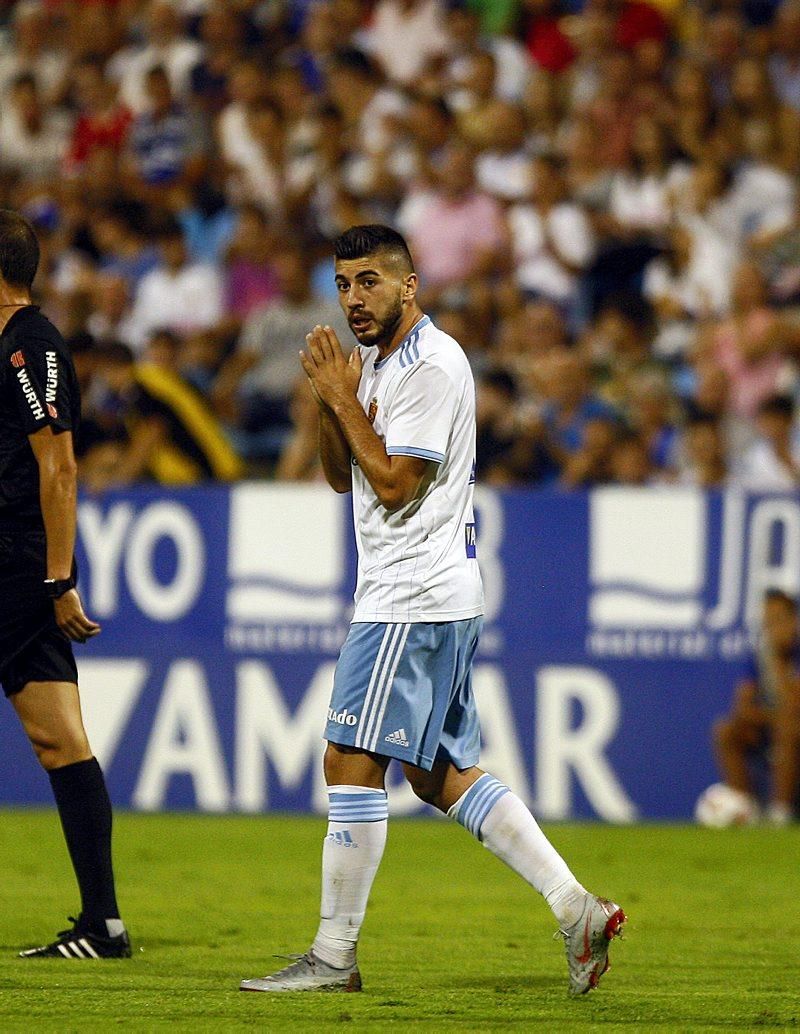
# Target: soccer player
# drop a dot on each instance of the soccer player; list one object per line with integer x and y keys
{"x": 40, "y": 610}
{"x": 397, "y": 428}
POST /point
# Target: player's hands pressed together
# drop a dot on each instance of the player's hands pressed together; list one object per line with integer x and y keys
{"x": 333, "y": 378}
{"x": 72, "y": 620}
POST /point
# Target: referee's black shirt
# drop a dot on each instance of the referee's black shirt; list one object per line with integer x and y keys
{"x": 38, "y": 387}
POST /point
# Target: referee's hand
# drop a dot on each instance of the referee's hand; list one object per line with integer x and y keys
{"x": 71, "y": 619}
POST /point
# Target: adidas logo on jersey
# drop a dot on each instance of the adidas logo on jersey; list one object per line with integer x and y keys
{"x": 342, "y": 838}
{"x": 398, "y": 737}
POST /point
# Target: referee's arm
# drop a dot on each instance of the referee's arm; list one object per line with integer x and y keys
{"x": 58, "y": 496}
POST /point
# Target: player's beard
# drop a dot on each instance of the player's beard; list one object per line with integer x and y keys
{"x": 380, "y": 329}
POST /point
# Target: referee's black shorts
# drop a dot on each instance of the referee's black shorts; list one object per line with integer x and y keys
{"x": 32, "y": 647}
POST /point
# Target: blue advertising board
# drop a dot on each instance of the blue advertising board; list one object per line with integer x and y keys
{"x": 616, "y": 624}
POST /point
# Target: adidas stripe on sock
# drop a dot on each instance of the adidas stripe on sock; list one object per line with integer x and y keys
{"x": 499, "y": 819}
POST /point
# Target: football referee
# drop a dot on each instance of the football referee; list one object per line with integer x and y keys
{"x": 40, "y": 610}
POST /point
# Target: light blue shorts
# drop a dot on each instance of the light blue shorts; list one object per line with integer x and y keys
{"x": 405, "y": 691}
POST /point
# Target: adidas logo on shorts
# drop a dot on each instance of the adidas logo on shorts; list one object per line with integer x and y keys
{"x": 398, "y": 737}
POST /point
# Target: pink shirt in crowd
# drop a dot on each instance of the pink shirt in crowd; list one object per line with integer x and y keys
{"x": 750, "y": 382}
{"x": 446, "y": 236}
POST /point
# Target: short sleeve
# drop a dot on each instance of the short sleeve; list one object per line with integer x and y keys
{"x": 40, "y": 383}
{"x": 421, "y": 414}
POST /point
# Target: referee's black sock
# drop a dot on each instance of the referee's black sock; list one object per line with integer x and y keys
{"x": 85, "y": 811}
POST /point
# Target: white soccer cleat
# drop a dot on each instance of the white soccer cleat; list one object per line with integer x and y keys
{"x": 587, "y": 942}
{"x": 306, "y": 973}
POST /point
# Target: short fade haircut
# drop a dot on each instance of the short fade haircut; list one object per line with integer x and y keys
{"x": 360, "y": 241}
{"x": 19, "y": 249}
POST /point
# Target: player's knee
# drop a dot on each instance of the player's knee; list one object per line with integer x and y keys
{"x": 428, "y": 790}
{"x": 54, "y": 750}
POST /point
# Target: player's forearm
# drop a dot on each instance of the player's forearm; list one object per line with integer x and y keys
{"x": 393, "y": 492}
{"x": 334, "y": 452}
{"x": 58, "y": 495}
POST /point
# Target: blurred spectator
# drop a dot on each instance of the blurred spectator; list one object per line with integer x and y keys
{"x": 454, "y": 231}
{"x": 503, "y": 169}
{"x": 641, "y": 193}
{"x": 207, "y": 220}
{"x": 784, "y": 64}
{"x": 764, "y": 719}
{"x": 171, "y": 435}
{"x": 110, "y": 316}
{"x": 703, "y": 459}
{"x": 177, "y": 294}
{"x": 254, "y": 386}
{"x": 33, "y": 137}
{"x": 368, "y": 107}
{"x": 512, "y": 62}
{"x": 28, "y": 49}
{"x": 299, "y": 458}
{"x": 419, "y": 24}
{"x": 652, "y": 417}
{"x": 551, "y": 239}
{"x": 591, "y": 463}
{"x": 630, "y": 463}
{"x": 571, "y": 404}
{"x": 103, "y": 121}
{"x": 251, "y": 280}
{"x": 772, "y": 463}
{"x": 751, "y": 344}
{"x": 496, "y": 399}
{"x": 617, "y": 346}
{"x": 166, "y": 144}
{"x": 163, "y": 46}
{"x": 223, "y": 32}
{"x": 121, "y": 236}
{"x": 674, "y": 284}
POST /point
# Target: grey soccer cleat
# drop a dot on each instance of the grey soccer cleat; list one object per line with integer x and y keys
{"x": 306, "y": 973}
{"x": 587, "y": 942}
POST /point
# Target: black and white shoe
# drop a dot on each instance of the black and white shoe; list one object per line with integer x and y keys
{"x": 81, "y": 943}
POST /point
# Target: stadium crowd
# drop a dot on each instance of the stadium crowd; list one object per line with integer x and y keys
{"x": 600, "y": 195}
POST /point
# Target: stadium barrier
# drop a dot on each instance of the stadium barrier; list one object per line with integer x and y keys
{"x": 616, "y": 623}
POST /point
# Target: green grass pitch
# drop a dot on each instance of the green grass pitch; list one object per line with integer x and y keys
{"x": 453, "y": 940}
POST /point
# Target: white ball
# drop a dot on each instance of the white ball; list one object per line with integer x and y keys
{"x": 720, "y": 806}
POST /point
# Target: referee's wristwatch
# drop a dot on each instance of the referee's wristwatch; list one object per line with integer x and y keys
{"x": 56, "y": 587}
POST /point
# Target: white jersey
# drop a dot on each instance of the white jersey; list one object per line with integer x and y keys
{"x": 419, "y": 564}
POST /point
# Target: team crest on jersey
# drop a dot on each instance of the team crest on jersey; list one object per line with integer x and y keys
{"x": 372, "y": 412}
{"x": 17, "y": 359}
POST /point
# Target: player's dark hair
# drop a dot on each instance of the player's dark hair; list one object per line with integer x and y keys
{"x": 19, "y": 249}
{"x": 360, "y": 241}
{"x": 779, "y": 596}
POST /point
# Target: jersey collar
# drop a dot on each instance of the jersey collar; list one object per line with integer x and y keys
{"x": 380, "y": 363}
{"x": 14, "y": 317}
